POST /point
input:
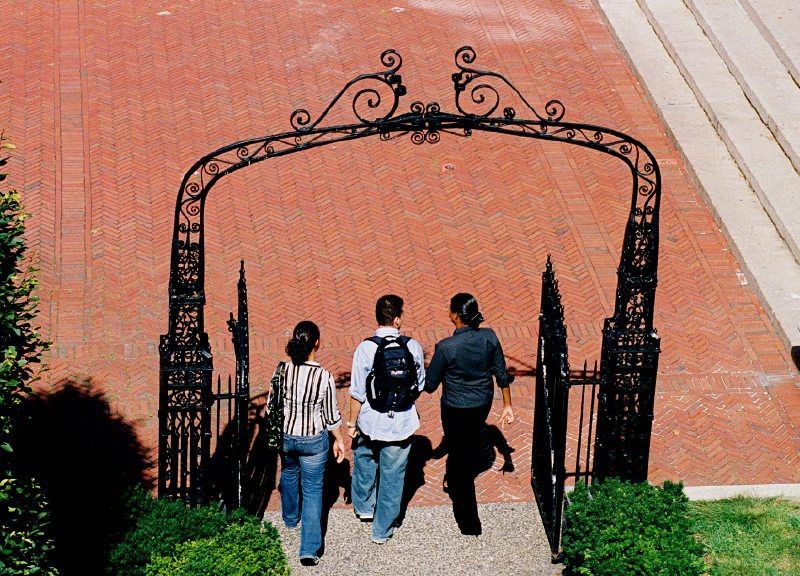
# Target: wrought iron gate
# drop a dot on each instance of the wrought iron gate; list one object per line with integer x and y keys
{"x": 630, "y": 345}
{"x": 178, "y": 444}
{"x": 554, "y": 382}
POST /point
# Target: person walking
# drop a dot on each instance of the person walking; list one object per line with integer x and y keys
{"x": 465, "y": 364}
{"x": 309, "y": 413}
{"x": 387, "y": 376}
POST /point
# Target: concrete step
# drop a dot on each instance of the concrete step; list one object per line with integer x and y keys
{"x": 779, "y": 22}
{"x": 762, "y": 160}
{"x": 762, "y": 76}
{"x": 766, "y": 260}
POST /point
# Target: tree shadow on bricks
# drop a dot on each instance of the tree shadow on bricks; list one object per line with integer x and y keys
{"x": 86, "y": 458}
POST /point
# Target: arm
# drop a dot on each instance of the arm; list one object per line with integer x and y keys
{"x": 358, "y": 389}
{"x": 435, "y": 371}
{"x": 355, "y": 409}
{"x": 507, "y": 415}
{"x": 338, "y": 444}
{"x": 499, "y": 364}
{"x": 333, "y": 419}
{"x": 503, "y": 381}
{"x": 419, "y": 360}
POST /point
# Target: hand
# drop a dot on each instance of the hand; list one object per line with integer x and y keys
{"x": 506, "y": 416}
{"x": 338, "y": 450}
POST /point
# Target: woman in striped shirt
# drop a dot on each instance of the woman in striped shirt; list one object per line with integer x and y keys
{"x": 309, "y": 413}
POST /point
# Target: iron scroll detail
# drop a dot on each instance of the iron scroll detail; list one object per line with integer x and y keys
{"x": 482, "y": 92}
{"x": 484, "y": 101}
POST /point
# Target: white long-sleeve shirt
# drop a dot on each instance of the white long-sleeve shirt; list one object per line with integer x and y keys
{"x": 379, "y": 425}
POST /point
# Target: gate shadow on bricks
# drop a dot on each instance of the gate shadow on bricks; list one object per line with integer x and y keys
{"x": 260, "y": 466}
{"x": 86, "y": 458}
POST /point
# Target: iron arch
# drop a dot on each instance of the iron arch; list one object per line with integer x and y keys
{"x": 630, "y": 344}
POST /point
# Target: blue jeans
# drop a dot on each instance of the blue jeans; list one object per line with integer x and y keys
{"x": 379, "y": 470}
{"x": 303, "y": 467}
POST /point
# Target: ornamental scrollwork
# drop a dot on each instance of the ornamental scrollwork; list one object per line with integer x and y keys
{"x": 377, "y": 93}
{"x": 477, "y": 93}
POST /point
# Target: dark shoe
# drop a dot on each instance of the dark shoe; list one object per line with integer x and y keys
{"x": 472, "y": 531}
{"x": 309, "y": 561}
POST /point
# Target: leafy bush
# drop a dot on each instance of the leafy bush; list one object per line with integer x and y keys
{"x": 247, "y": 549}
{"x": 25, "y": 546}
{"x": 159, "y": 526}
{"x": 615, "y": 528}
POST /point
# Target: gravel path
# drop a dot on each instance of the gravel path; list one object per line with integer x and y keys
{"x": 429, "y": 544}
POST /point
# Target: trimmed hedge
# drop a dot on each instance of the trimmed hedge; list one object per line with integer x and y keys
{"x": 171, "y": 534}
{"x": 614, "y": 528}
{"x": 246, "y": 549}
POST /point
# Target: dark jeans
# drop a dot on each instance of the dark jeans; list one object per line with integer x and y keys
{"x": 462, "y": 428}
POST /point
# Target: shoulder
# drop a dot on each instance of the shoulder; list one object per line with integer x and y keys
{"x": 366, "y": 345}
{"x": 488, "y": 333}
{"x": 447, "y": 343}
{"x": 414, "y": 346}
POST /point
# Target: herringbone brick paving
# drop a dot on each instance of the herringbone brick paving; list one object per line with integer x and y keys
{"x": 110, "y": 102}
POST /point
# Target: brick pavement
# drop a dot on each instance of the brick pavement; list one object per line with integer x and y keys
{"x": 110, "y": 102}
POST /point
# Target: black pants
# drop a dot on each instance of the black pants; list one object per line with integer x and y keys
{"x": 462, "y": 428}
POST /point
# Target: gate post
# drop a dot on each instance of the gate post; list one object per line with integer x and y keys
{"x": 629, "y": 358}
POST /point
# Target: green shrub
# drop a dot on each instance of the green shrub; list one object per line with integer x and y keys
{"x": 158, "y": 526}
{"x": 614, "y": 528}
{"x": 25, "y": 544}
{"x": 247, "y": 549}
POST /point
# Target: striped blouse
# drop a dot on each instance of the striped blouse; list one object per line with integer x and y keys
{"x": 310, "y": 403}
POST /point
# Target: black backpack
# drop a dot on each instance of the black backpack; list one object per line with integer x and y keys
{"x": 392, "y": 382}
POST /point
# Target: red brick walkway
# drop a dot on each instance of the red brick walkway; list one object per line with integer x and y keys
{"x": 110, "y": 102}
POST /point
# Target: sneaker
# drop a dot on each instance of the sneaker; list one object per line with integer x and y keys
{"x": 364, "y": 517}
{"x": 309, "y": 560}
{"x": 382, "y": 540}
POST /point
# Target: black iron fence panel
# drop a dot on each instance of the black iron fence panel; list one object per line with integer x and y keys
{"x": 548, "y": 471}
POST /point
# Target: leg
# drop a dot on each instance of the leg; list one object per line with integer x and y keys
{"x": 463, "y": 434}
{"x": 393, "y": 462}
{"x": 289, "y": 487}
{"x": 312, "y": 474}
{"x": 365, "y": 476}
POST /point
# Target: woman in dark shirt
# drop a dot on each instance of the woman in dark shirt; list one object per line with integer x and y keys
{"x": 465, "y": 363}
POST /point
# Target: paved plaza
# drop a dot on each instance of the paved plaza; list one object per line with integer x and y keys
{"x": 109, "y": 103}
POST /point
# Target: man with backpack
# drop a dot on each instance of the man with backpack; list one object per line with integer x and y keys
{"x": 387, "y": 377}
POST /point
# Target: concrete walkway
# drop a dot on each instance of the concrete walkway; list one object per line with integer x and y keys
{"x": 428, "y": 543}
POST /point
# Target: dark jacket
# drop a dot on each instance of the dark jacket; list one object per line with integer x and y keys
{"x": 465, "y": 362}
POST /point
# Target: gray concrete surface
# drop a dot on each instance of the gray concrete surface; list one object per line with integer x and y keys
{"x": 674, "y": 61}
{"x": 751, "y": 143}
{"x": 779, "y": 21}
{"x": 428, "y": 543}
{"x": 791, "y": 491}
{"x": 756, "y": 67}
